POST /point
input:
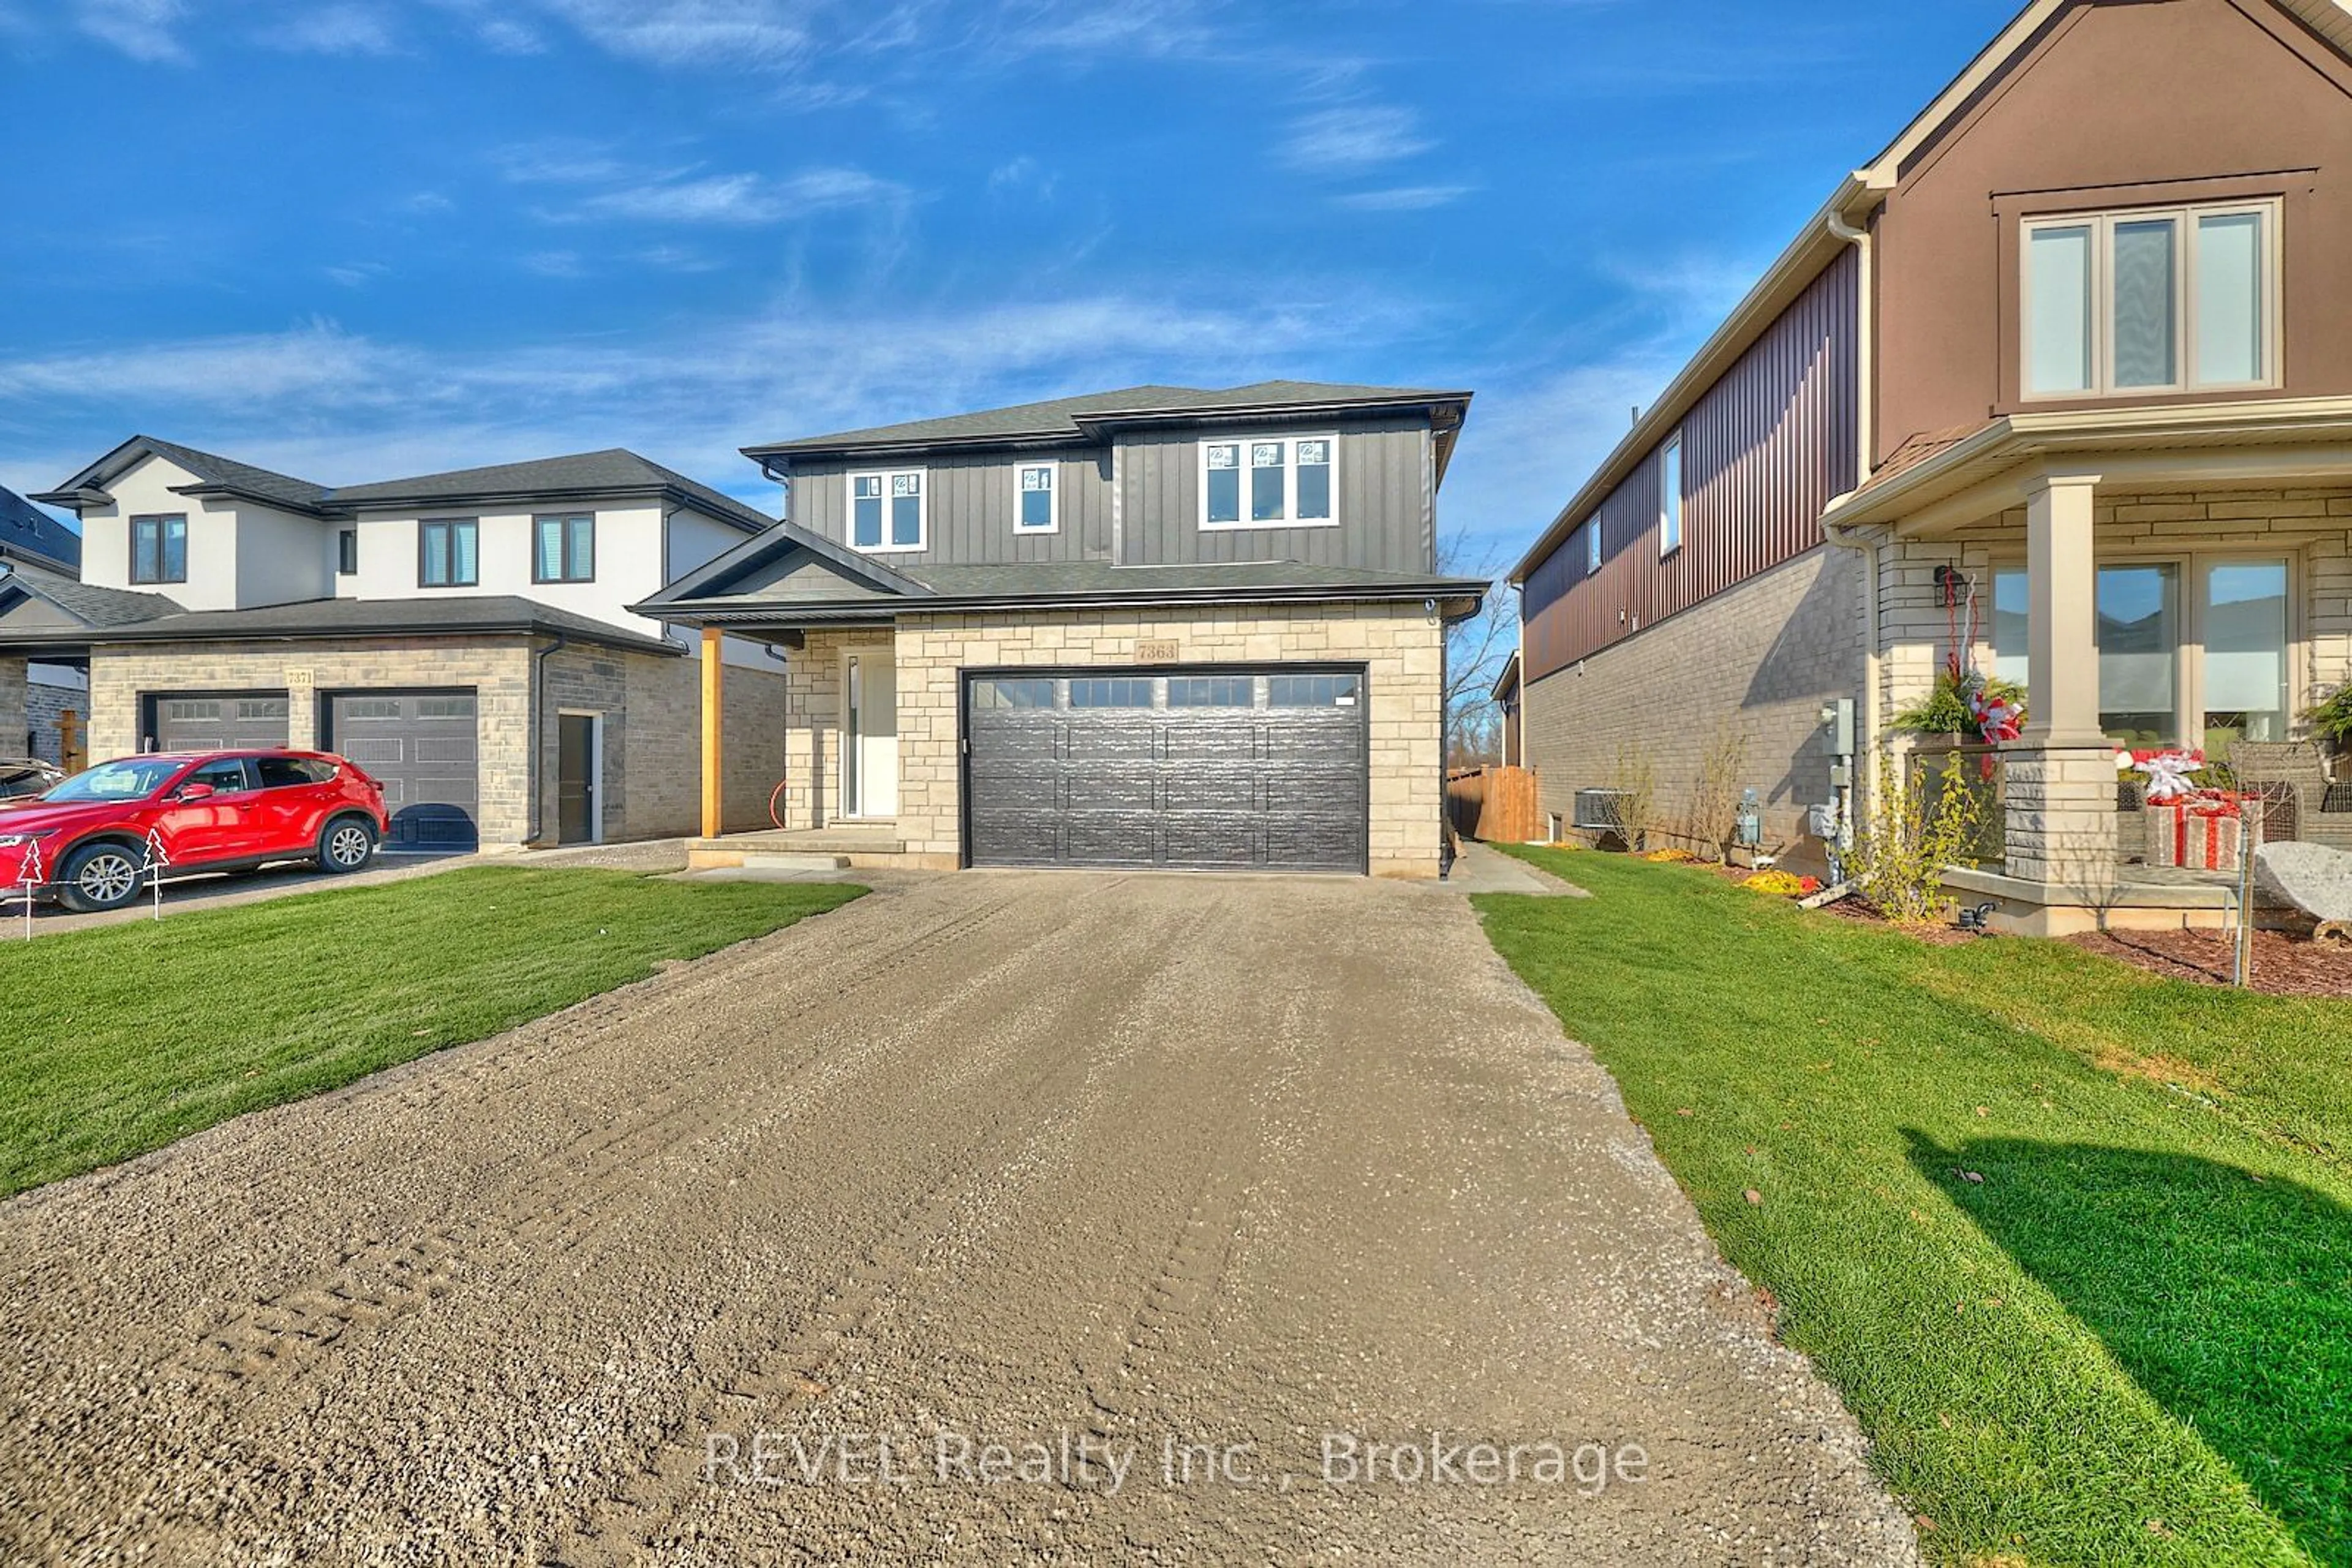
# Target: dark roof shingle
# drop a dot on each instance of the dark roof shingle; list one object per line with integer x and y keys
{"x": 1061, "y": 416}
{"x": 88, "y": 603}
{"x": 582, "y": 473}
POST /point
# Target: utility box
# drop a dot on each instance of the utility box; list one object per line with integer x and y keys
{"x": 1837, "y": 718}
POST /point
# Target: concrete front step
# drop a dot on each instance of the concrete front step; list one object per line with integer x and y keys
{"x": 771, "y": 861}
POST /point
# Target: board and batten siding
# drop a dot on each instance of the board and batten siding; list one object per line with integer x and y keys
{"x": 1764, "y": 451}
{"x": 1386, "y": 501}
{"x": 969, "y": 520}
{"x": 1386, "y": 490}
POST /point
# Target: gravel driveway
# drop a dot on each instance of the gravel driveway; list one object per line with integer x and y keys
{"x": 1201, "y": 1186}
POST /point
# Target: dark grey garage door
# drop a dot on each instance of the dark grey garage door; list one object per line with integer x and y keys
{"x": 424, "y": 747}
{"x": 215, "y": 720}
{"x": 1263, "y": 768}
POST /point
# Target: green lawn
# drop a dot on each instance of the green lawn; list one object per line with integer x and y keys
{"x": 2131, "y": 1341}
{"x": 122, "y": 1039}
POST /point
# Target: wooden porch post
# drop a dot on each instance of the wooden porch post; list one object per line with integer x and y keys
{"x": 714, "y": 758}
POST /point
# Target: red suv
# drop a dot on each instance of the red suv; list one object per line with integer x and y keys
{"x": 86, "y": 842}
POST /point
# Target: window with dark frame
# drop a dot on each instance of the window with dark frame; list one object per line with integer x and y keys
{"x": 564, "y": 549}
{"x": 347, "y": 552}
{"x": 159, "y": 549}
{"x": 448, "y": 552}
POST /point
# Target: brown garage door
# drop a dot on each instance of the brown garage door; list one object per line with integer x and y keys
{"x": 215, "y": 720}
{"x": 424, "y": 747}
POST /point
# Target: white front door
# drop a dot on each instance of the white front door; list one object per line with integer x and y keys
{"x": 869, "y": 741}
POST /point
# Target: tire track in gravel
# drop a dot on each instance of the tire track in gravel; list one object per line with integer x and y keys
{"x": 580, "y": 1188}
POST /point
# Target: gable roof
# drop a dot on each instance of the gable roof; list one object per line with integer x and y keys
{"x": 718, "y": 576}
{"x": 26, "y": 532}
{"x": 93, "y": 606}
{"x": 1073, "y": 418}
{"x": 1827, "y": 232}
{"x": 614, "y": 470}
{"x": 215, "y": 475}
{"x": 580, "y": 476}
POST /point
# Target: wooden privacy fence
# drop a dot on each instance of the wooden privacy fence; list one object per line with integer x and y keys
{"x": 1497, "y": 804}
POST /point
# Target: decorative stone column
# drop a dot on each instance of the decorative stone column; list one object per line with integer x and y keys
{"x": 2062, "y": 773}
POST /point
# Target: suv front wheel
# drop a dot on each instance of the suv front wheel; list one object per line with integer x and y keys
{"x": 98, "y": 876}
{"x": 346, "y": 844}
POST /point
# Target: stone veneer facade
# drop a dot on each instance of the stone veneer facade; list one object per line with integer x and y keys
{"x": 1403, "y": 654}
{"x": 651, "y": 706}
{"x": 1757, "y": 660}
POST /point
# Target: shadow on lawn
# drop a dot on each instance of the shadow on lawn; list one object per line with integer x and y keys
{"x": 2227, "y": 1298}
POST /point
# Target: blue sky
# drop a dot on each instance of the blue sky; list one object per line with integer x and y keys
{"x": 363, "y": 238}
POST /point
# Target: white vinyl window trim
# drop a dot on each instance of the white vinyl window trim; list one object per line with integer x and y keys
{"x": 1033, "y": 478}
{"x": 890, "y": 488}
{"x": 1670, "y": 495}
{"x": 1238, "y": 453}
{"x": 2193, "y": 309}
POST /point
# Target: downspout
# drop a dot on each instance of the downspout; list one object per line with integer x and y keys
{"x": 1866, "y": 745}
{"x": 538, "y": 732}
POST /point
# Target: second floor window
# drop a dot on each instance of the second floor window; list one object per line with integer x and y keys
{"x": 1670, "y": 495}
{"x": 1036, "y": 500}
{"x": 1592, "y": 547}
{"x": 565, "y": 551}
{"x": 159, "y": 550}
{"x": 1267, "y": 483}
{"x": 2179, "y": 299}
{"x": 347, "y": 552}
{"x": 886, "y": 511}
{"x": 449, "y": 554}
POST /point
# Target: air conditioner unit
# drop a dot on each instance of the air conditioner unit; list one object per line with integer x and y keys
{"x": 1596, "y": 810}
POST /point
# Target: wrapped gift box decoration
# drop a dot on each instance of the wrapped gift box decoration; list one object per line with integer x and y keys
{"x": 2199, "y": 834}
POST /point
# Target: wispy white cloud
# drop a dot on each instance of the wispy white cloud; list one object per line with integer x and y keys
{"x": 718, "y": 35}
{"x": 1352, "y": 138}
{"x": 1402, "y": 198}
{"x": 1024, "y": 175}
{"x": 358, "y": 274}
{"x": 555, "y": 264}
{"x": 347, "y": 29}
{"x": 339, "y": 406}
{"x": 737, "y": 199}
{"x": 1126, "y": 28}
{"x": 140, "y": 29}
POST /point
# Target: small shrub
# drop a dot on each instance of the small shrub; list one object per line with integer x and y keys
{"x": 2331, "y": 720}
{"x": 1633, "y": 811}
{"x": 1714, "y": 814}
{"x": 1900, "y": 855}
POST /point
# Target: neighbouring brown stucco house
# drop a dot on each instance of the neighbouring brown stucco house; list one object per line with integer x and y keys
{"x": 2065, "y": 376}
{"x": 1162, "y": 627}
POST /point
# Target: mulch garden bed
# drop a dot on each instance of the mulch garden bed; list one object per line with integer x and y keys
{"x": 2284, "y": 966}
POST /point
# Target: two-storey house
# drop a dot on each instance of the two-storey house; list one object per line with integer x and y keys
{"x": 465, "y": 636}
{"x": 2058, "y": 386}
{"x": 1158, "y": 628}
{"x": 34, "y": 697}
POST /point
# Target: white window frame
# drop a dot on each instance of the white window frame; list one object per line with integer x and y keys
{"x": 1290, "y": 517}
{"x": 1053, "y": 524}
{"x": 2102, "y": 226}
{"x": 1670, "y": 495}
{"x": 1592, "y": 556}
{"x": 922, "y": 510}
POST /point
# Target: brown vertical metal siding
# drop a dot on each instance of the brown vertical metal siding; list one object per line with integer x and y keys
{"x": 1764, "y": 450}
